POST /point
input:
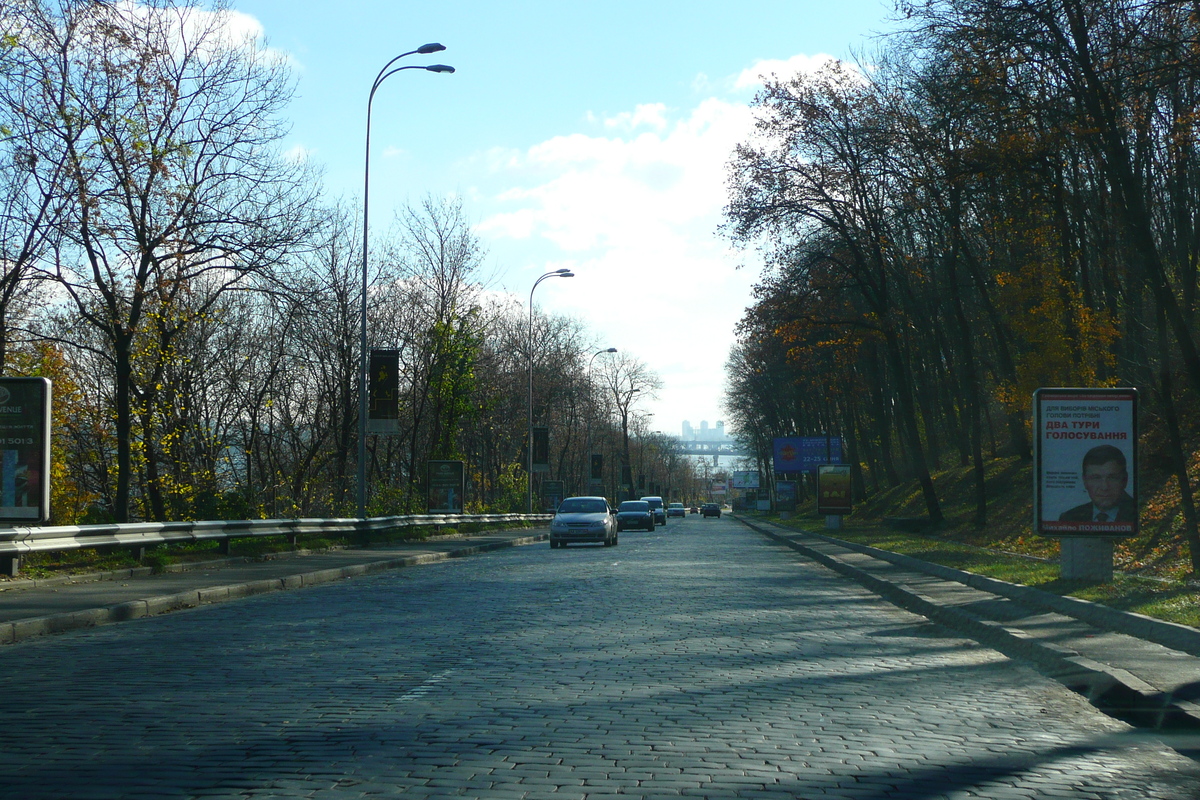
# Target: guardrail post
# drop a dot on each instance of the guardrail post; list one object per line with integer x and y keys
{"x": 223, "y": 546}
{"x": 139, "y": 552}
{"x": 10, "y": 565}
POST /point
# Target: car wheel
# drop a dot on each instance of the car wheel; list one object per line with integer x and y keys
{"x": 616, "y": 540}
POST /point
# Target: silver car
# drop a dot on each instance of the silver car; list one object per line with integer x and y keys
{"x": 584, "y": 519}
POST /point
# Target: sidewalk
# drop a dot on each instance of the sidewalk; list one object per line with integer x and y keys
{"x": 1139, "y": 669}
{"x": 36, "y": 607}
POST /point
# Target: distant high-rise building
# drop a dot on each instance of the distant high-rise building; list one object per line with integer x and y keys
{"x": 720, "y": 430}
{"x": 688, "y": 433}
{"x": 704, "y": 430}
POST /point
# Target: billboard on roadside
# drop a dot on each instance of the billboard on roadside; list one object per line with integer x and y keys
{"x": 24, "y": 450}
{"x": 833, "y": 489}
{"x": 447, "y": 487}
{"x": 1085, "y": 462}
{"x": 804, "y": 453}
{"x": 745, "y": 479}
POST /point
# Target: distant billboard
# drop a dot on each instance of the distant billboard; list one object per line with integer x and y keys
{"x": 717, "y": 487}
{"x": 833, "y": 490}
{"x": 805, "y": 453}
{"x": 746, "y": 479}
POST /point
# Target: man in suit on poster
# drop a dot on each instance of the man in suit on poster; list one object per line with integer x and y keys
{"x": 1105, "y": 477}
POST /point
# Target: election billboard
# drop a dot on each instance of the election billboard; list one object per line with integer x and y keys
{"x": 1085, "y": 462}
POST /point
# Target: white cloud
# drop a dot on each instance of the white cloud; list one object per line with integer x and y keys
{"x": 635, "y": 214}
{"x": 651, "y": 116}
{"x": 784, "y": 69}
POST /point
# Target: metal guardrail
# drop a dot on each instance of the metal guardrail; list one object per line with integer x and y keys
{"x": 137, "y": 536}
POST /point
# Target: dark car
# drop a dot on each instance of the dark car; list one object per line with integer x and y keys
{"x": 659, "y": 507}
{"x": 635, "y": 514}
{"x": 676, "y": 510}
{"x": 710, "y": 510}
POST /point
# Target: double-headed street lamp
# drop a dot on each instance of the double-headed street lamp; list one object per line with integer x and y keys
{"x": 587, "y": 450}
{"x": 383, "y": 75}
{"x": 558, "y": 273}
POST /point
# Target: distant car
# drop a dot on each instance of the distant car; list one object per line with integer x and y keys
{"x": 695, "y": 509}
{"x": 710, "y": 510}
{"x": 583, "y": 519}
{"x": 676, "y": 510}
{"x": 635, "y": 514}
{"x": 659, "y": 508}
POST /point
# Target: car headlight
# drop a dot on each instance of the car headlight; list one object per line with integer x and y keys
{"x": 597, "y": 527}
{"x": 557, "y": 527}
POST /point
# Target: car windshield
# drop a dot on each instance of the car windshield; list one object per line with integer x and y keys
{"x": 676, "y": 505}
{"x": 634, "y": 505}
{"x": 583, "y": 505}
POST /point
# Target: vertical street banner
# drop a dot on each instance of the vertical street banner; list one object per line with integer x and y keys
{"x": 1085, "y": 462}
{"x": 597, "y": 473}
{"x": 553, "y": 493}
{"x": 383, "y": 393}
{"x": 447, "y": 487}
{"x": 541, "y": 450}
{"x": 24, "y": 450}
{"x": 833, "y": 489}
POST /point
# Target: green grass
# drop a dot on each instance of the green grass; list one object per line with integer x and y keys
{"x": 1153, "y": 570}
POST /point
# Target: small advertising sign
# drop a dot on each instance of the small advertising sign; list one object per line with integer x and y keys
{"x": 24, "y": 450}
{"x": 745, "y": 480}
{"x": 717, "y": 487}
{"x": 805, "y": 453}
{"x": 1085, "y": 462}
{"x": 785, "y": 495}
{"x": 553, "y": 493}
{"x": 447, "y": 487}
{"x": 383, "y": 411}
{"x": 833, "y": 489}
{"x": 597, "y": 467}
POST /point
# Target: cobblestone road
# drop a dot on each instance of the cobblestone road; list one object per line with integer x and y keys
{"x": 700, "y": 662}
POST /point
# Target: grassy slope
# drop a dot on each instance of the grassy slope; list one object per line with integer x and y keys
{"x": 1153, "y": 567}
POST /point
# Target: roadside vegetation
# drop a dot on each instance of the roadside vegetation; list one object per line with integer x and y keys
{"x": 1152, "y": 570}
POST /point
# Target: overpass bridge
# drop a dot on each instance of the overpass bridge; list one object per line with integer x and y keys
{"x": 709, "y": 448}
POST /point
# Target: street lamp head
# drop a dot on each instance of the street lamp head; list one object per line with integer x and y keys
{"x": 566, "y": 273}
{"x": 611, "y": 350}
{"x": 563, "y": 271}
{"x": 432, "y": 47}
{"x": 439, "y": 68}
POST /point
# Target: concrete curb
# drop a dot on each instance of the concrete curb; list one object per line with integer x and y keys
{"x": 18, "y": 630}
{"x": 1121, "y": 693}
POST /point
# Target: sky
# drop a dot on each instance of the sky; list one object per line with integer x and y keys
{"x": 588, "y": 135}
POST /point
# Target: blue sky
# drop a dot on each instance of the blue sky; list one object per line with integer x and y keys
{"x": 591, "y": 135}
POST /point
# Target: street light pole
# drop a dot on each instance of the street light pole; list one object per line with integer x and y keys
{"x": 558, "y": 273}
{"x": 383, "y": 75}
{"x": 587, "y": 450}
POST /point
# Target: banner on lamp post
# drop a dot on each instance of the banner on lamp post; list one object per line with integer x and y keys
{"x": 383, "y": 393}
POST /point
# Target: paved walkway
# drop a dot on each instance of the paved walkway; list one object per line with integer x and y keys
{"x": 1137, "y": 668}
{"x": 35, "y": 607}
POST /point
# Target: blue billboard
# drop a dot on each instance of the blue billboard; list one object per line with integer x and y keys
{"x": 805, "y": 453}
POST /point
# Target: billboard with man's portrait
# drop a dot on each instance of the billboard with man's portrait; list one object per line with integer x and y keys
{"x": 1085, "y": 462}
